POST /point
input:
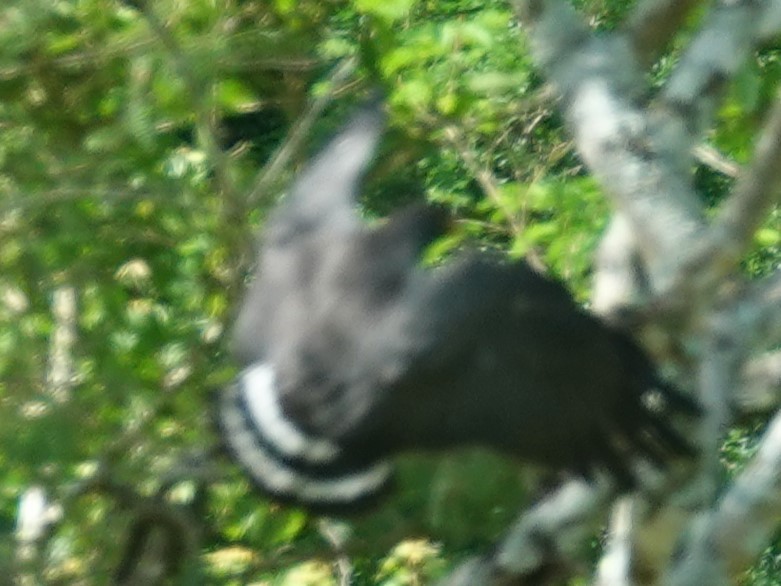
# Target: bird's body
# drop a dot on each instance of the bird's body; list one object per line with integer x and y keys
{"x": 355, "y": 352}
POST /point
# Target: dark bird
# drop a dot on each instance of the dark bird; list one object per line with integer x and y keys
{"x": 354, "y": 351}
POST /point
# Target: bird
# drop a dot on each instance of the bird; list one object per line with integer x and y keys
{"x": 353, "y": 351}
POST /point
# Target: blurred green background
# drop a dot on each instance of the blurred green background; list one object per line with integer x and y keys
{"x": 135, "y": 147}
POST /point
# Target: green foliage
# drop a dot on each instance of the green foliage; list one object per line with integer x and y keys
{"x": 126, "y": 156}
{"x": 410, "y": 563}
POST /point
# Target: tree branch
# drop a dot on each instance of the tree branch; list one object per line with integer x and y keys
{"x": 270, "y": 174}
{"x": 722, "y": 45}
{"x": 545, "y": 543}
{"x": 748, "y": 317}
{"x": 710, "y": 157}
{"x": 639, "y": 160}
{"x": 769, "y": 21}
{"x": 484, "y": 177}
{"x": 719, "y": 373}
{"x": 726, "y": 540}
{"x": 652, "y": 25}
{"x": 616, "y": 279}
{"x": 60, "y": 375}
{"x": 756, "y": 191}
{"x": 761, "y": 311}
{"x": 615, "y": 566}
{"x": 759, "y": 187}
{"x": 761, "y": 388}
{"x": 336, "y": 535}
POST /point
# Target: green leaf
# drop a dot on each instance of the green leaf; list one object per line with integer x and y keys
{"x": 233, "y": 94}
{"x": 386, "y": 10}
{"x": 767, "y": 237}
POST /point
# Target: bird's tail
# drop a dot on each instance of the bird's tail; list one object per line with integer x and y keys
{"x": 286, "y": 462}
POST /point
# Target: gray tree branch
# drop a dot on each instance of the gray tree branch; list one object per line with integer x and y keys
{"x": 615, "y": 566}
{"x": 724, "y": 42}
{"x": 747, "y": 318}
{"x": 758, "y": 189}
{"x": 725, "y": 540}
{"x": 545, "y": 543}
{"x": 615, "y": 277}
{"x": 762, "y": 311}
{"x": 642, "y": 158}
{"x": 639, "y": 159}
{"x": 60, "y": 374}
{"x": 761, "y": 388}
{"x": 653, "y": 24}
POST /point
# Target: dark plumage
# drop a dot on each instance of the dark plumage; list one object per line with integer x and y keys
{"x": 353, "y": 352}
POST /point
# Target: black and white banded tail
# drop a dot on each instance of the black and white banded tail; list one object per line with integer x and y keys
{"x": 286, "y": 462}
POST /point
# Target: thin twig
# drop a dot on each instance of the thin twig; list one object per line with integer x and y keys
{"x": 615, "y": 566}
{"x": 756, "y": 191}
{"x": 653, "y": 23}
{"x": 271, "y": 172}
{"x": 60, "y": 375}
{"x": 200, "y": 91}
{"x": 337, "y": 534}
{"x": 711, "y": 157}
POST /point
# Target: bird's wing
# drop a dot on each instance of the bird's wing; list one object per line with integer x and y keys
{"x": 323, "y": 197}
{"x": 365, "y": 349}
{"x": 443, "y": 310}
{"x": 308, "y": 230}
{"x": 483, "y": 352}
{"x": 289, "y": 338}
{"x": 278, "y": 418}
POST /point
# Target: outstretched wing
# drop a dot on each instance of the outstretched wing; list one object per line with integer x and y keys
{"x": 495, "y": 354}
{"x": 315, "y": 221}
{"x": 323, "y": 277}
